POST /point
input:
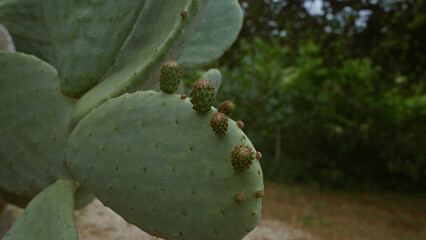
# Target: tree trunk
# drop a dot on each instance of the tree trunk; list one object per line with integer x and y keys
{"x": 277, "y": 145}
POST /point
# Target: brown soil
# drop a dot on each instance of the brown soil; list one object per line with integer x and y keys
{"x": 337, "y": 215}
{"x": 291, "y": 213}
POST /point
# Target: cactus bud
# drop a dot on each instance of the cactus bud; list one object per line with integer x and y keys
{"x": 240, "y": 124}
{"x": 258, "y": 155}
{"x": 260, "y": 193}
{"x": 227, "y": 107}
{"x": 170, "y": 77}
{"x": 219, "y": 123}
{"x": 183, "y": 96}
{"x": 240, "y": 197}
{"x": 183, "y": 14}
{"x": 242, "y": 158}
{"x": 202, "y": 95}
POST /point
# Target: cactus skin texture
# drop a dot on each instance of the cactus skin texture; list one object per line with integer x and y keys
{"x": 32, "y": 138}
{"x": 219, "y": 123}
{"x": 242, "y": 158}
{"x": 169, "y": 175}
{"x": 49, "y": 216}
{"x": 25, "y": 21}
{"x": 170, "y": 77}
{"x": 227, "y": 107}
{"x": 159, "y": 34}
{"x": 202, "y": 95}
{"x": 217, "y": 31}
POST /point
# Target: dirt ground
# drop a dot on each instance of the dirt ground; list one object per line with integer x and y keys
{"x": 290, "y": 212}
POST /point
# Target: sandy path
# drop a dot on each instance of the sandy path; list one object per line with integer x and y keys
{"x": 96, "y": 222}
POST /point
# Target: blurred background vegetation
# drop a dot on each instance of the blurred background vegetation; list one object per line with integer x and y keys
{"x": 333, "y": 92}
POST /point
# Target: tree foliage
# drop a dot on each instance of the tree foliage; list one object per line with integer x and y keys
{"x": 343, "y": 83}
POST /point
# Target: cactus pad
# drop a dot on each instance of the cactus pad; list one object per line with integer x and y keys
{"x": 170, "y": 77}
{"x": 49, "y": 216}
{"x": 86, "y": 37}
{"x": 226, "y": 107}
{"x": 33, "y": 125}
{"x": 25, "y": 21}
{"x": 202, "y": 95}
{"x": 242, "y": 158}
{"x": 217, "y": 31}
{"x": 169, "y": 174}
{"x": 159, "y": 33}
{"x": 219, "y": 123}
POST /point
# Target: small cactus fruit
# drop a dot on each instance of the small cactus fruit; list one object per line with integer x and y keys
{"x": 258, "y": 155}
{"x": 183, "y": 14}
{"x": 242, "y": 158}
{"x": 240, "y": 197}
{"x": 170, "y": 77}
{"x": 227, "y": 107}
{"x": 219, "y": 123}
{"x": 240, "y": 124}
{"x": 260, "y": 193}
{"x": 183, "y": 96}
{"x": 202, "y": 95}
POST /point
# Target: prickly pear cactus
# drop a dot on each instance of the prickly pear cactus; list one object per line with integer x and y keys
{"x": 188, "y": 177}
{"x": 75, "y": 124}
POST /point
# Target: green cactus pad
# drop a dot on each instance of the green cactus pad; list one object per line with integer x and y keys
{"x": 217, "y": 31}
{"x": 227, "y": 107}
{"x": 168, "y": 173}
{"x": 214, "y": 76}
{"x": 157, "y": 35}
{"x": 33, "y": 121}
{"x": 25, "y": 21}
{"x": 49, "y": 216}
{"x": 219, "y": 123}
{"x": 202, "y": 95}
{"x": 170, "y": 77}
{"x": 86, "y": 37}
